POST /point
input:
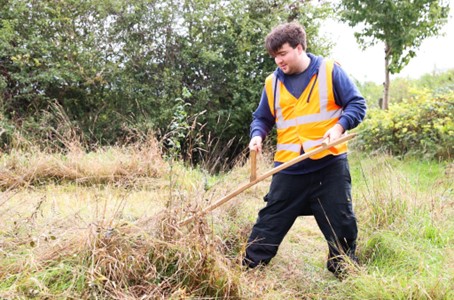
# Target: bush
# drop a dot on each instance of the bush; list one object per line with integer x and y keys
{"x": 422, "y": 126}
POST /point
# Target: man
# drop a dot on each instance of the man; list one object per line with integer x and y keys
{"x": 309, "y": 99}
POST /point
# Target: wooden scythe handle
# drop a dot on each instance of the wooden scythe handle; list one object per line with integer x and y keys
{"x": 253, "y": 155}
{"x": 266, "y": 175}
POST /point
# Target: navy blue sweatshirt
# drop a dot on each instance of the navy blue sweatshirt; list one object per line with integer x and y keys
{"x": 346, "y": 95}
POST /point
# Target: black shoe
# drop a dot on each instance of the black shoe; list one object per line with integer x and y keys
{"x": 248, "y": 263}
{"x": 339, "y": 267}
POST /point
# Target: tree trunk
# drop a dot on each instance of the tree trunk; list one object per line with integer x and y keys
{"x": 387, "y": 82}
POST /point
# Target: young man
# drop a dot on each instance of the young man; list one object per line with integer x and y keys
{"x": 308, "y": 98}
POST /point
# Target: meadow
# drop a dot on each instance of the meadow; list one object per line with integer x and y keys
{"x": 104, "y": 225}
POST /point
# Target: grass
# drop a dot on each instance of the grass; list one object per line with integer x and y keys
{"x": 102, "y": 225}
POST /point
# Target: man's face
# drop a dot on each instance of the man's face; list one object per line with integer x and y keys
{"x": 288, "y": 59}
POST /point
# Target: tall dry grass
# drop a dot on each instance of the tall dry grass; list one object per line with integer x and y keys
{"x": 99, "y": 225}
{"x": 105, "y": 165}
{"x": 104, "y": 239}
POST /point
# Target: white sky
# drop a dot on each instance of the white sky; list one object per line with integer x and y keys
{"x": 435, "y": 53}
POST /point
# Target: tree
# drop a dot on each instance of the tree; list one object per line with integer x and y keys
{"x": 401, "y": 25}
{"x": 118, "y": 68}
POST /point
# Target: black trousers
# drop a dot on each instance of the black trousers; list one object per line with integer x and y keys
{"x": 325, "y": 194}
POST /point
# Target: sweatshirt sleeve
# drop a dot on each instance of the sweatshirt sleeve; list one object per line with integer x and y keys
{"x": 349, "y": 98}
{"x": 262, "y": 119}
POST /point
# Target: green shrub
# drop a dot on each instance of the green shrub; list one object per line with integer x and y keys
{"x": 422, "y": 126}
{"x": 6, "y": 130}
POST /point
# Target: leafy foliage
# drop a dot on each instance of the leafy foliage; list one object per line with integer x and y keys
{"x": 117, "y": 67}
{"x": 421, "y": 126}
{"x": 407, "y": 88}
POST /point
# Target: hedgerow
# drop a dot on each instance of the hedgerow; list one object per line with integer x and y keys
{"x": 422, "y": 126}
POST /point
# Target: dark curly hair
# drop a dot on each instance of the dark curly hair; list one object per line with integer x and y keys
{"x": 292, "y": 33}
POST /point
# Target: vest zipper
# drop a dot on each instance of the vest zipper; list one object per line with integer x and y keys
{"x": 310, "y": 92}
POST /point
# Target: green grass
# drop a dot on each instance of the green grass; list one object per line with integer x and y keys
{"x": 119, "y": 239}
{"x": 406, "y": 212}
{"x": 423, "y": 175}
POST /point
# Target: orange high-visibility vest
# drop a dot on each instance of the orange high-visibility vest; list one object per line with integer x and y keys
{"x": 302, "y": 122}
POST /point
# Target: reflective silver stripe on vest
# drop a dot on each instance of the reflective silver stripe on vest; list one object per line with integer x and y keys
{"x": 289, "y": 147}
{"x": 324, "y": 115}
{"x": 310, "y": 144}
{"x": 276, "y": 94}
{"x": 323, "y": 88}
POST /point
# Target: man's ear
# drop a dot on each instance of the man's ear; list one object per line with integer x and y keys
{"x": 299, "y": 48}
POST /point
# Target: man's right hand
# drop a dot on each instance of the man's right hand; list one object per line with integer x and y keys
{"x": 256, "y": 144}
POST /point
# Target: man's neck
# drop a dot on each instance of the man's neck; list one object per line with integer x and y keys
{"x": 305, "y": 62}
